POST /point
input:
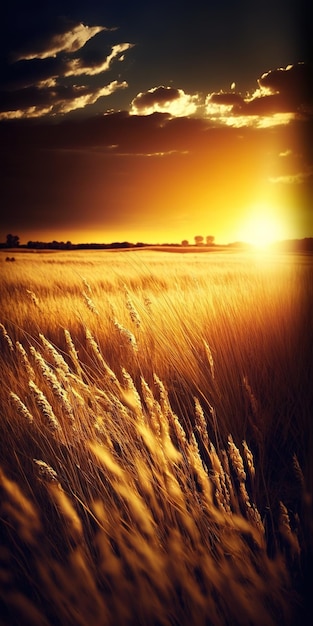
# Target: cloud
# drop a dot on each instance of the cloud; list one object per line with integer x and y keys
{"x": 282, "y": 95}
{"x": 123, "y": 134}
{"x": 164, "y": 100}
{"x": 115, "y": 133}
{"x": 291, "y": 179}
{"x": 286, "y": 153}
{"x": 85, "y": 97}
{"x": 53, "y": 99}
{"x": 70, "y": 41}
{"x": 294, "y": 83}
{"x": 220, "y": 106}
{"x": 37, "y": 82}
{"x": 227, "y": 99}
{"x": 257, "y": 104}
{"x": 78, "y": 67}
{"x": 52, "y": 70}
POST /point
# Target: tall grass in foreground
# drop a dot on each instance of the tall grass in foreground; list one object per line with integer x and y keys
{"x": 155, "y": 438}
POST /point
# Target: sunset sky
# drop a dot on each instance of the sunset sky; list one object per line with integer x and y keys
{"x": 156, "y": 121}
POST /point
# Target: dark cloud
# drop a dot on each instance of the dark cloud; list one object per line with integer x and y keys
{"x": 157, "y": 95}
{"x": 114, "y": 133}
{"x": 120, "y": 133}
{"x": 34, "y": 72}
{"x": 165, "y": 99}
{"x": 51, "y": 64}
{"x": 78, "y": 67}
{"x": 287, "y": 89}
{"x": 265, "y": 105}
{"x": 53, "y": 99}
{"x": 294, "y": 83}
{"x": 67, "y": 37}
{"x": 28, "y": 73}
{"x": 284, "y": 91}
{"x": 227, "y": 99}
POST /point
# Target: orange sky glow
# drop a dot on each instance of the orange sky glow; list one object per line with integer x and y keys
{"x": 235, "y": 184}
{"x": 95, "y": 148}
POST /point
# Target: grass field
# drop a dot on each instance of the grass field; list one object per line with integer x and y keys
{"x": 156, "y": 439}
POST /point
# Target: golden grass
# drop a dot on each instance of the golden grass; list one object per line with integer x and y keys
{"x": 155, "y": 439}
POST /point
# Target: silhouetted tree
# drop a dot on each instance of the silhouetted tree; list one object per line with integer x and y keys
{"x": 185, "y": 242}
{"x": 209, "y": 240}
{"x": 13, "y": 241}
{"x": 198, "y": 240}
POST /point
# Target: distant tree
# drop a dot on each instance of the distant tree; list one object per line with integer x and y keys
{"x": 13, "y": 241}
{"x": 198, "y": 240}
{"x": 185, "y": 242}
{"x": 209, "y": 240}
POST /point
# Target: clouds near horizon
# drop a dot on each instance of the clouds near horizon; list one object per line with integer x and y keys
{"x": 283, "y": 95}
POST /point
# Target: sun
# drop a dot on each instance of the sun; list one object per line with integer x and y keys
{"x": 262, "y": 226}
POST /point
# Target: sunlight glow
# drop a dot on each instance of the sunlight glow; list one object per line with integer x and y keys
{"x": 262, "y": 226}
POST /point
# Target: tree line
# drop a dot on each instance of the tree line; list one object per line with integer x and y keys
{"x": 13, "y": 241}
{"x": 199, "y": 241}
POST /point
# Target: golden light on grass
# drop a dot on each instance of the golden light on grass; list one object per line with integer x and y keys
{"x": 155, "y": 465}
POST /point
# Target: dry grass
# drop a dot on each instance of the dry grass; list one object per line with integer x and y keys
{"x": 156, "y": 437}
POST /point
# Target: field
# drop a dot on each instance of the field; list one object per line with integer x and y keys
{"x": 156, "y": 439}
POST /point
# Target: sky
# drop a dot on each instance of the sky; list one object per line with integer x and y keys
{"x": 156, "y": 121}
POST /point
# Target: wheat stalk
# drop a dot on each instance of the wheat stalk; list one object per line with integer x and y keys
{"x": 6, "y": 337}
{"x": 298, "y": 472}
{"x": 45, "y": 407}
{"x": 90, "y": 303}
{"x": 236, "y": 460}
{"x": 21, "y": 407}
{"x": 45, "y": 471}
{"x": 74, "y": 527}
{"x": 222, "y": 493}
{"x": 251, "y": 396}
{"x": 201, "y": 424}
{"x": 126, "y": 335}
{"x": 34, "y": 298}
{"x": 134, "y": 315}
{"x": 58, "y": 359}
{"x": 286, "y": 532}
{"x": 209, "y": 356}
{"x": 18, "y": 508}
{"x": 54, "y": 383}
{"x": 97, "y": 353}
{"x": 23, "y": 354}
{"x": 130, "y": 395}
{"x": 72, "y": 351}
{"x": 249, "y": 459}
{"x": 87, "y": 285}
{"x": 251, "y": 510}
